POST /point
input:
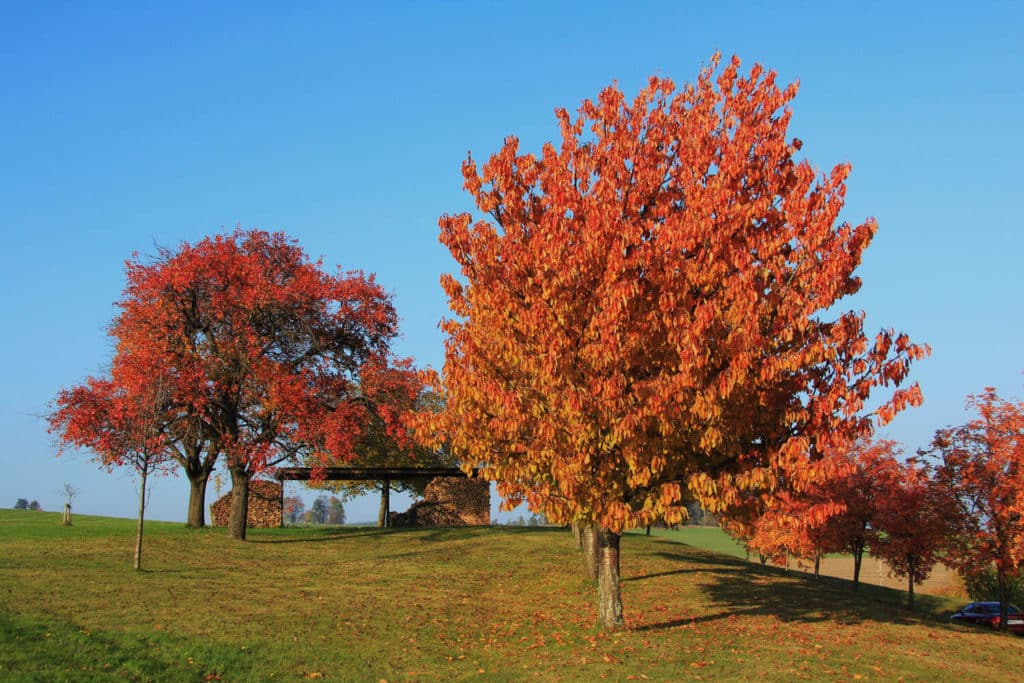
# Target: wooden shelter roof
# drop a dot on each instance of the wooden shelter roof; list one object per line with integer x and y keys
{"x": 369, "y": 473}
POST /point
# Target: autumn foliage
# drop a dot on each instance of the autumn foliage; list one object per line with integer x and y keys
{"x": 912, "y": 523}
{"x": 980, "y": 470}
{"x": 836, "y": 515}
{"x": 644, "y": 315}
{"x": 262, "y": 355}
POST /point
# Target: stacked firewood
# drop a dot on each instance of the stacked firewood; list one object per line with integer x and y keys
{"x": 447, "y": 502}
{"x": 264, "y": 506}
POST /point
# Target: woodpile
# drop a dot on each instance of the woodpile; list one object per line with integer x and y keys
{"x": 448, "y": 502}
{"x": 264, "y": 506}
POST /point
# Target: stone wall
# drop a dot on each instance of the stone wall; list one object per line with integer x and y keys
{"x": 264, "y": 506}
{"x": 448, "y": 502}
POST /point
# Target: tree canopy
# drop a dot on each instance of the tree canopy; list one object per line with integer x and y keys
{"x": 647, "y": 312}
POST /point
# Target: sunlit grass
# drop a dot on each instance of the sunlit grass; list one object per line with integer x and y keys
{"x": 472, "y": 604}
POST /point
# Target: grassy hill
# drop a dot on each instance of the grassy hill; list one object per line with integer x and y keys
{"x": 474, "y": 604}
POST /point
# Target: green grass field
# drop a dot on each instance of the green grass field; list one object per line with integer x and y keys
{"x": 472, "y": 604}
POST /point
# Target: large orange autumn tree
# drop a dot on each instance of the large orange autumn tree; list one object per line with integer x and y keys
{"x": 644, "y": 314}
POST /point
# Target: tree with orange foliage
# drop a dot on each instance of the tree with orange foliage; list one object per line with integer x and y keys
{"x": 644, "y": 318}
{"x": 264, "y": 356}
{"x": 981, "y": 472}
{"x": 911, "y": 524}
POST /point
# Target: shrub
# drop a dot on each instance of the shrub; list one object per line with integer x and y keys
{"x": 983, "y": 586}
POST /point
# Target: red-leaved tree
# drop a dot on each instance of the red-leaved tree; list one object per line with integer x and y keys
{"x": 911, "y": 524}
{"x": 264, "y": 356}
{"x": 861, "y": 491}
{"x": 645, "y": 314}
{"x": 124, "y": 422}
{"x": 981, "y": 472}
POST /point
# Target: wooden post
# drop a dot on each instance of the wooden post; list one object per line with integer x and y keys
{"x": 67, "y": 514}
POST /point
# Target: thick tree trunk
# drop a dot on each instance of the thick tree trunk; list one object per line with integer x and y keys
{"x": 590, "y": 552}
{"x": 609, "y": 587}
{"x": 137, "y": 560}
{"x": 577, "y": 536}
{"x": 239, "y": 503}
{"x": 385, "y": 505}
{"x": 858, "y": 557}
{"x": 197, "y": 498}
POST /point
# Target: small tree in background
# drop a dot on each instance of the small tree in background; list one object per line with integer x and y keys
{"x": 335, "y": 511}
{"x": 647, "y": 315}
{"x": 293, "y": 509}
{"x": 69, "y": 493}
{"x": 21, "y": 504}
{"x": 870, "y": 477}
{"x": 34, "y": 505}
{"x": 317, "y": 512}
{"x": 980, "y": 470}
{"x": 911, "y": 522}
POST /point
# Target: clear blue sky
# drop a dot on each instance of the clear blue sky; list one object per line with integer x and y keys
{"x": 124, "y": 125}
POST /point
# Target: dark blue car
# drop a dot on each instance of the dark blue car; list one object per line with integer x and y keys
{"x": 987, "y": 614}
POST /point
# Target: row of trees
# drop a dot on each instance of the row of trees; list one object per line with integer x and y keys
{"x": 24, "y": 504}
{"x": 958, "y": 502}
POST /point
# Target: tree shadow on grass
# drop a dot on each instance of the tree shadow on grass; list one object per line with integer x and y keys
{"x": 736, "y": 588}
{"x": 324, "y": 536}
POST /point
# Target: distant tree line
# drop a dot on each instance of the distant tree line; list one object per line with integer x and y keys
{"x": 24, "y": 504}
{"x": 324, "y": 510}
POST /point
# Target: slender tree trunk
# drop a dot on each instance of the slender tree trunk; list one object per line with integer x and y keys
{"x": 858, "y": 557}
{"x": 577, "y": 536}
{"x": 591, "y": 552}
{"x": 817, "y": 564}
{"x": 137, "y": 561}
{"x": 197, "y": 498}
{"x": 648, "y": 530}
{"x": 385, "y": 505}
{"x": 1001, "y": 581}
{"x": 762, "y": 557}
{"x": 609, "y": 586}
{"x": 239, "y": 503}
